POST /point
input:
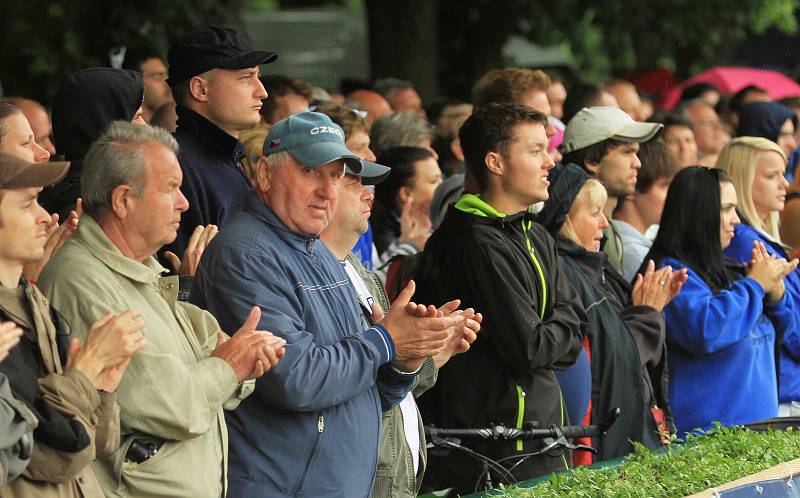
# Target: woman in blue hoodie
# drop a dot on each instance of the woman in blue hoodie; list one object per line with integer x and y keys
{"x": 721, "y": 328}
{"x": 756, "y": 167}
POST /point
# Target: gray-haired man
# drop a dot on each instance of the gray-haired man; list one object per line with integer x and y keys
{"x": 174, "y": 391}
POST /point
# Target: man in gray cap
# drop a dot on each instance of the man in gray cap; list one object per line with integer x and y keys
{"x": 323, "y": 402}
{"x": 213, "y": 73}
{"x": 604, "y": 141}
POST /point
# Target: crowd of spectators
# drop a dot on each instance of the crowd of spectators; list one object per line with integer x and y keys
{"x": 216, "y": 282}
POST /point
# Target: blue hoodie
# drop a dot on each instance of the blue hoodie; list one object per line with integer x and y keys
{"x": 721, "y": 352}
{"x": 312, "y": 426}
{"x": 740, "y": 250}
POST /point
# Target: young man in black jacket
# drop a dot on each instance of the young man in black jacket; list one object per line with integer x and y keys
{"x": 490, "y": 254}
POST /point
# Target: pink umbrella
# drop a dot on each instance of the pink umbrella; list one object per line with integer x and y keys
{"x": 733, "y": 79}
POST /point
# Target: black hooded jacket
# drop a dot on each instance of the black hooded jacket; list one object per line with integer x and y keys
{"x": 533, "y": 323}
{"x": 628, "y": 352}
{"x": 86, "y": 104}
{"x": 763, "y": 119}
{"x": 627, "y": 342}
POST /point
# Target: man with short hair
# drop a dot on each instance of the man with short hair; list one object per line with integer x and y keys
{"x": 499, "y": 86}
{"x": 402, "y": 129}
{"x": 489, "y": 253}
{"x": 445, "y": 139}
{"x": 174, "y": 438}
{"x": 679, "y": 138}
{"x": 637, "y": 216}
{"x": 709, "y": 132}
{"x": 39, "y": 119}
{"x": 286, "y": 97}
{"x": 604, "y": 142}
{"x": 398, "y": 476}
{"x": 400, "y": 94}
{"x": 370, "y": 102}
{"x": 214, "y": 78}
{"x": 627, "y": 97}
{"x": 324, "y": 401}
{"x": 583, "y": 95}
{"x": 148, "y": 61}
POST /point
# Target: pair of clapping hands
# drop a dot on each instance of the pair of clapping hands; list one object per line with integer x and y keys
{"x": 103, "y": 356}
{"x": 656, "y": 288}
{"x": 769, "y": 271}
{"x": 421, "y": 331}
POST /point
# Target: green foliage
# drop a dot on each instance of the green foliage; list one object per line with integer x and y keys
{"x": 721, "y": 456}
{"x": 44, "y": 40}
{"x": 606, "y": 37}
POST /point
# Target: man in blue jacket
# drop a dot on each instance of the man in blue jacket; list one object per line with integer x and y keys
{"x": 312, "y": 427}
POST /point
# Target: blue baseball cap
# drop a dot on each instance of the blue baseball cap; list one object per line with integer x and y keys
{"x": 314, "y": 140}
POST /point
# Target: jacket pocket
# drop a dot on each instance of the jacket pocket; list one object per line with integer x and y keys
{"x": 312, "y": 457}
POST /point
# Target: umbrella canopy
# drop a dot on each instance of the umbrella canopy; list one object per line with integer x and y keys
{"x": 733, "y": 79}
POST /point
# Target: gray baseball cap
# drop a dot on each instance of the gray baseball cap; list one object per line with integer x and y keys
{"x": 314, "y": 140}
{"x": 592, "y": 125}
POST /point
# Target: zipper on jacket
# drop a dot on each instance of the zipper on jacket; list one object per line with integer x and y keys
{"x": 298, "y": 490}
{"x": 538, "y": 266}
{"x": 563, "y": 421}
{"x": 520, "y": 413}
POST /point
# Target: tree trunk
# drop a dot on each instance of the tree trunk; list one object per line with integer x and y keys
{"x": 403, "y": 42}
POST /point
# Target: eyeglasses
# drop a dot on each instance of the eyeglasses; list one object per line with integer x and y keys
{"x": 157, "y": 75}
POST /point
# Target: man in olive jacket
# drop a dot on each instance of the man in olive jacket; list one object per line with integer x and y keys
{"x": 174, "y": 438}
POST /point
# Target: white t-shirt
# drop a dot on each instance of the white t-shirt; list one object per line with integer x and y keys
{"x": 408, "y": 407}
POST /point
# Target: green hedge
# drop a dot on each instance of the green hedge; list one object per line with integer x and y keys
{"x": 721, "y": 456}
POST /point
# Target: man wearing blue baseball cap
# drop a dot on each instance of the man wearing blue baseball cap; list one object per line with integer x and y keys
{"x": 213, "y": 74}
{"x": 312, "y": 428}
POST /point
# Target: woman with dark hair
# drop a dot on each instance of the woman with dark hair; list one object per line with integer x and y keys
{"x": 401, "y": 217}
{"x": 722, "y": 327}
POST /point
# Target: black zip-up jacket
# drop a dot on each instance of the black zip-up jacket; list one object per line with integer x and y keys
{"x": 529, "y": 329}
{"x": 627, "y": 345}
{"x": 214, "y": 181}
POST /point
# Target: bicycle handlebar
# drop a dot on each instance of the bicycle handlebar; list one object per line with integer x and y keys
{"x": 501, "y": 432}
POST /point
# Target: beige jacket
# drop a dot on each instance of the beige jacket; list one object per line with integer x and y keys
{"x": 53, "y": 473}
{"x": 173, "y": 392}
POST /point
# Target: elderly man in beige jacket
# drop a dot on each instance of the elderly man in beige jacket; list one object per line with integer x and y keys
{"x": 174, "y": 391}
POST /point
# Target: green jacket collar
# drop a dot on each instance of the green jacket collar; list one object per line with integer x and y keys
{"x": 473, "y": 204}
{"x": 92, "y": 236}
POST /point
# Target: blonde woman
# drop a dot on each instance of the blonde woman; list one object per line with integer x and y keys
{"x": 626, "y": 330}
{"x": 756, "y": 167}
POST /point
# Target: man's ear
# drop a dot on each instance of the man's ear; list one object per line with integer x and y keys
{"x": 456, "y": 150}
{"x": 403, "y": 193}
{"x": 198, "y": 87}
{"x": 494, "y": 163}
{"x": 591, "y": 167}
{"x": 263, "y": 174}
{"x": 121, "y": 199}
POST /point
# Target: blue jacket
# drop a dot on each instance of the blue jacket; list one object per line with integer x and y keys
{"x": 214, "y": 181}
{"x": 312, "y": 426}
{"x": 721, "y": 352}
{"x": 740, "y": 250}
